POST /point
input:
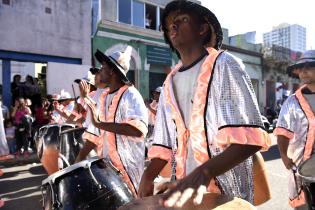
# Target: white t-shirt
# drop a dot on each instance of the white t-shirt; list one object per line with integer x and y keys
{"x": 184, "y": 84}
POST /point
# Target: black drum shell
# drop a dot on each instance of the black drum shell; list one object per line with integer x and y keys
{"x": 306, "y": 172}
{"x": 49, "y": 136}
{"x": 77, "y": 190}
{"x": 52, "y": 141}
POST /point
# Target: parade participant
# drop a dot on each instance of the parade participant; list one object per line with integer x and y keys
{"x": 208, "y": 117}
{"x": 152, "y": 107}
{"x": 78, "y": 114}
{"x": 63, "y": 106}
{"x": 125, "y": 115}
{"x": 55, "y": 117}
{"x": 93, "y": 136}
{"x": 295, "y": 126}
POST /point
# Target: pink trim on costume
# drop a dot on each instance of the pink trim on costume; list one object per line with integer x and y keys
{"x": 181, "y": 153}
{"x": 160, "y": 152}
{"x": 111, "y": 139}
{"x": 197, "y": 130}
{"x": 298, "y": 201}
{"x": 311, "y": 121}
{"x": 152, "y": 116}
{"x": 102, "y": 101}
{"x": 243, "y": 135}
{"x": 283, "y": 132}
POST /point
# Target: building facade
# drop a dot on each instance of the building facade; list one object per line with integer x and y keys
{"x": 289, "y": 36}
{"x": 276, "y": 80}
{"x": 123, "y": 23}
{"x": 42, "y": 31}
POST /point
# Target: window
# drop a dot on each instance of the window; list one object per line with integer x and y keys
{"x": 124, "y": 11}
{"x": 161, "y": 14}
{"x": 150, "y": 17}
{"x": 138, "y": 14}
{"x": 156, "y": 80}
{"x": 47, "y": 10}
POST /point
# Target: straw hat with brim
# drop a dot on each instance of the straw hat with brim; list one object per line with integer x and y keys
{"x": 307, "y": 59}
{"x": 120, "y": 61}
{"x": 89, "y": 78}
{"x": 64, "y": 95}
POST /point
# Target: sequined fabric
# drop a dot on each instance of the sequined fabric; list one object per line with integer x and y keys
{"x": 131, "y": 149}
{"x": 231, "y": 103}
{"x": 293, "y": 119}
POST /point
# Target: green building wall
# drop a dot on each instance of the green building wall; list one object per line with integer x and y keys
{"x": 103, "y": 43}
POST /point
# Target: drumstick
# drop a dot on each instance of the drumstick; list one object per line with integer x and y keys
{"x": 73, "y": 92}
{"x": 75, "y": 99}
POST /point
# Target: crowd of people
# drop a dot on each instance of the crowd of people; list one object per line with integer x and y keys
{"x": 203, "y": 125}
{"x": 28, "y": 112}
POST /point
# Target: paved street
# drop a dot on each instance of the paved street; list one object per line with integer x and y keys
{"x": 277, "y": 180}
{"x": 20, "y": 185}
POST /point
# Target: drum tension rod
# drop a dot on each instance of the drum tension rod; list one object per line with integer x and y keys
{"x": 88, "y": 167}
{"x": 55, "y": 201}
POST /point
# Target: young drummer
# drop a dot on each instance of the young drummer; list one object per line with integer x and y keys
{"x": 208, "y": 117}
{"x": 295, "y": 129}
{"x": 125, "y": 118}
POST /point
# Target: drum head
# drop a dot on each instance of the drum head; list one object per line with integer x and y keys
{"x": 307, "y": 170}
{"x": 210, "y": 201}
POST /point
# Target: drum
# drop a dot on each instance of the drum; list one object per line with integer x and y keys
{"x": 58, "y": 145}
{"x": 306, "y": 171}
{"x": 89, "y": 184}
{"x": 210, "y": 201}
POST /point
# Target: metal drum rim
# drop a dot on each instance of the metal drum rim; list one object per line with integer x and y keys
{"x": 306, "y": 178}
{"x": 303, "y": 177}
{"x": 82, "y": 164}
{"x": 56, "y": 125}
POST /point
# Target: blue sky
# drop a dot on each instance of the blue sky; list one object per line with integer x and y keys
{"x": 261, "y": 15}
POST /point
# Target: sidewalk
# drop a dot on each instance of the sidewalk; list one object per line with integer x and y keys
{"x": 21, "y": 182}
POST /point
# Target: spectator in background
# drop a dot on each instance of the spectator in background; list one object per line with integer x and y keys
{"x": 20, "y": 113}
{"x": 28, "y": 87}
{"x": 41, "y": 114}
{"x": 10, "y": 135}
{"x": 16, "y": 87}
{"x": 148, "y": 21}
{"x": 37, "y": 99}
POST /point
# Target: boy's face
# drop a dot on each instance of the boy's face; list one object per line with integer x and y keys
{"x": 97, "y": 79}
{"x": 306, "y": 75}
{"x": 182, "y": 29}
{"x": 105, "y": 73}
